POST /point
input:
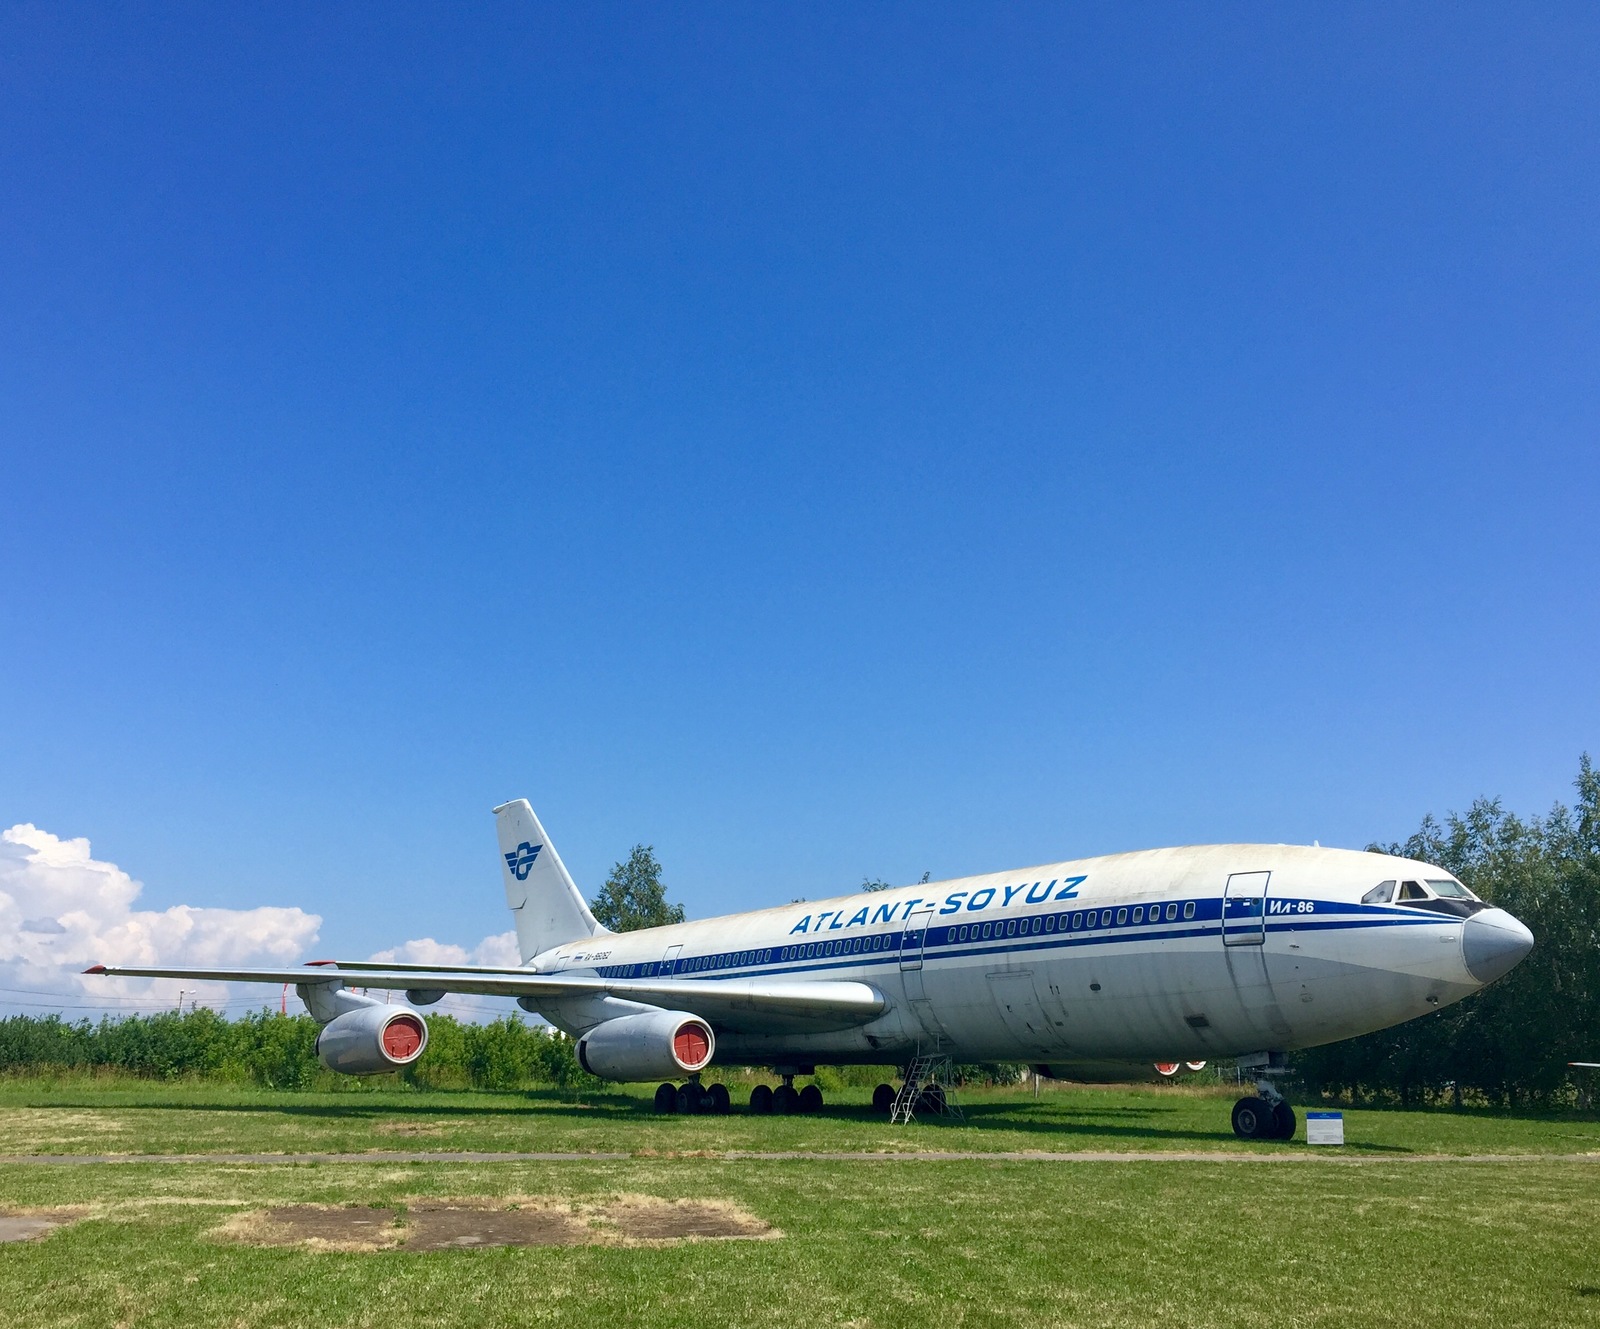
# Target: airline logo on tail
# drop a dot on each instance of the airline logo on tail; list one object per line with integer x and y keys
{"x": 520, "y": 859}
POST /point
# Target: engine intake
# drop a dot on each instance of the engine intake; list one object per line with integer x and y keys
{"x": 651, "y": 1046}
{"x": 372, "y": 1040}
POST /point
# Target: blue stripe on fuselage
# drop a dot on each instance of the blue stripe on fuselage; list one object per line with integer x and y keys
{"x": 938, "y": 944}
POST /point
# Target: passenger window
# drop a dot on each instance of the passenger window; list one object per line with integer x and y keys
{"x": 1050, "y": 923}
{"x": 1188, "y": 908}
{"x": 1412, "y": 891}
{"x": 1122, "y": 917}
{"x": 1172, "y": 912}
{"x": 1011, "y": 928}
{"x": 1077, "y": 920}
{"x": 1138, "y": 914}
{"x": 1382, "y": 893}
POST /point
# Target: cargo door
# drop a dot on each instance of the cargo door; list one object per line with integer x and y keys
{"x": 1018, "y": 1003}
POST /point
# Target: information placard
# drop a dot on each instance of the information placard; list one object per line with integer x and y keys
{"x": 1324, "y": 1128}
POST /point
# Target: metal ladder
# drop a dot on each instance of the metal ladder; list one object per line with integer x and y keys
{"x": 905, "y": 1102}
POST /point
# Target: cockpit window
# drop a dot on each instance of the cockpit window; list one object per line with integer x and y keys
{"x": 1412, "y": 890}
{"x": 1382, "y": 893}
{"x": 1451, "y": 890}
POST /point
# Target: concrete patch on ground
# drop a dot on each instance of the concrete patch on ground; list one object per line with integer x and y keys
{"x": 28, "y": 1224}
{"x": 437, "y": 1225}
{"x": 471, "y": 1222}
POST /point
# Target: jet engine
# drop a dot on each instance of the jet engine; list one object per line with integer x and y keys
{"x": 372, "y": 1039}
{"x": 652, "y": 1046}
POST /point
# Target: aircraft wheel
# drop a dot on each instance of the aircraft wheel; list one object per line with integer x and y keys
{"x": 688, "y": 1099}
{"x": 667, "y": 1098}
{"x": 883, "y": 1098}
{"x": 1283, "y": 1121}
{"x": 931, "y": 1100}
{"x": 719, "y": 1098}
{"x": 761, "y": 1100}
{"x": 811, "y": 1099}
{"x": 1253, "y": 1119}
{"x": 785, "y": 1100}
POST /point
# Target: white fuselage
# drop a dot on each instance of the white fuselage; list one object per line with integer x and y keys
{"x": 1122, "y": 956}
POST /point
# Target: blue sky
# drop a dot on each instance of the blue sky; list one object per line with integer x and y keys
{"x": 817, "y": 441}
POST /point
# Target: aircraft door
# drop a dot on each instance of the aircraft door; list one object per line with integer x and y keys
{"x": 1244, "y": 909}
{"x": 913, "y": 944}
{"x": 669, "y": 961}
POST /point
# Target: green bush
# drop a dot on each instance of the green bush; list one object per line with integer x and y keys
{"x": 279, "y": 1051}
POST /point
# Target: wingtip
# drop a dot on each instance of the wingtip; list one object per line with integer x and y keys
{"x": 95, "y": 969}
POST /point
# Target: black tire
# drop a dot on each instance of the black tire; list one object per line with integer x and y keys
{"x": 883, "y": 1098}
{"x": 761, "y": 1100}
{"x": 688, "y": 1099}
{"x": 785, "y": 1100}
{"x": 810, "y": 1099}
{"x": 1283, "y": 1121}
{"x": 1253, "y": 1119}
{"x": 667, "y": 1098}
{"x": 930, "y": 1102}
{"x": 719, "y": 1098}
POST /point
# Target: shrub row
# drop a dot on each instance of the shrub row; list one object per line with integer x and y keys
{"x": 279, "y": 1051}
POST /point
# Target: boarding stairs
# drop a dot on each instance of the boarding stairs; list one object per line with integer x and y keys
{"x": 924, "y": 1072}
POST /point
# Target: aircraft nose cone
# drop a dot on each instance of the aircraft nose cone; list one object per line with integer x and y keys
{"x": 1493, "y": 943}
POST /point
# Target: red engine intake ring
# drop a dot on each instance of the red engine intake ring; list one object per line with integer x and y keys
{"x": 692, "y": 1045}
{"x": 403, "y": 1037}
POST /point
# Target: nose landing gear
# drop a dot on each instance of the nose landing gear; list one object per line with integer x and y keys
{"x": 1265, "y": 1115}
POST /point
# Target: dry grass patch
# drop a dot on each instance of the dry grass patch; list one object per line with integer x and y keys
{"x": 470, "y": 1222}
{"x": 326, "y": 1227}
{"x": 415, "y": 1129}
{"x": 646, "y": 1219}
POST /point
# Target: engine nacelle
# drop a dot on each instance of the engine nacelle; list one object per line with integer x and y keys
{"x": 653, "y": 1046}
{"x": 372, "y": 1039}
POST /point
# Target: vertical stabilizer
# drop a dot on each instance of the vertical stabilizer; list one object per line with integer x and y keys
{"x": 544, "y": 901}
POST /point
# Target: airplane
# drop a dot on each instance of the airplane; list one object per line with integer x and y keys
{"x": 1242, "y": 951}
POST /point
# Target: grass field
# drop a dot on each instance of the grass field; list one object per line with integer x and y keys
{"x": 865, "y": 1242}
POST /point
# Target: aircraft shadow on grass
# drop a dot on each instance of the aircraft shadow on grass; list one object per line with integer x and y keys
{"x": 1128, "y": 1124}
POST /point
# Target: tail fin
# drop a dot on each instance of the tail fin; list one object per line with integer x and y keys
{"x": 544, "y": 901}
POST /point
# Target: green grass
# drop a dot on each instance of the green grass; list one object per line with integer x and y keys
{"x": 118, "y": 1116}
{"x": 865, "y": 1243}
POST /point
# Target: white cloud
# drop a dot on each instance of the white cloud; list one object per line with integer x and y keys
{"x": 499, "y": 951}
{"x": 62, "y": 910}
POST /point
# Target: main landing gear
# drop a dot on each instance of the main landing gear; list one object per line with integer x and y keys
{"x": 1265, "y": 1115}
{"x": 785, "y": 1100}
{"x": 693, "y": 1097}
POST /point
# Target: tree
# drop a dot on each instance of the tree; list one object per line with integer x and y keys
{"x": 1510, "y": 1043}
{"x": 633, "y": 896}
{"x": 879, "y": 884}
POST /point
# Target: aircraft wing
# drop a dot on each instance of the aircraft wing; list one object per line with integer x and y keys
{"x": 753, "y": 1005}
